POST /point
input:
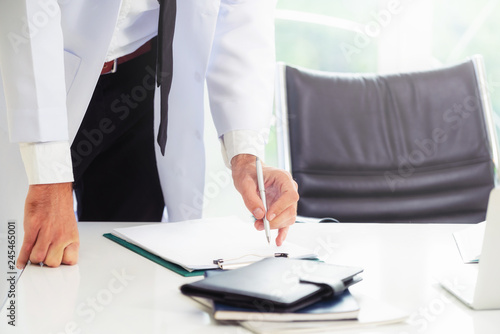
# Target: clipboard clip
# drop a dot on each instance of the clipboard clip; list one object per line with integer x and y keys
{"x": 231, "y": 264}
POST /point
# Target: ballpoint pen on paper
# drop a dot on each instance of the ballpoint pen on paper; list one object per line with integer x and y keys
{"x": 262, "y": 191}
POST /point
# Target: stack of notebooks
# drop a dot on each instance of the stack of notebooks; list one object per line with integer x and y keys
{"x": 370, "y": 313}
{"x": 275, "y": 289}
{"x": 341, "y": 313}
{"x": 279, "y": 295}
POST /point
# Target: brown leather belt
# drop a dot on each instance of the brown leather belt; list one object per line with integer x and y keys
{"x": 112, "y": 65}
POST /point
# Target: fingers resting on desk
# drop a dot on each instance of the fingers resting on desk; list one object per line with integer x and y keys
{"x": 50, "y": 228}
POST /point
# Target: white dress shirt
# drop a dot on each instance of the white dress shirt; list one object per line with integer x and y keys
{"x": 137, "y": 23}
{"x": 50, "y": 162}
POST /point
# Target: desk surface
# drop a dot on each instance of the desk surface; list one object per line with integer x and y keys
{"x": 113, "y": 290}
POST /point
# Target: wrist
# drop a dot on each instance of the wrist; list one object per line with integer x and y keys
{"x": 64, "y": 186}
{"x": 242, "y": 160}
{"x": 47, "y": 193}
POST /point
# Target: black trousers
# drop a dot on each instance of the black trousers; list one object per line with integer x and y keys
{"x": 114, "y": 164}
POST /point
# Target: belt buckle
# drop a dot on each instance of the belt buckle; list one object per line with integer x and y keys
{"x": 115, "y": 66}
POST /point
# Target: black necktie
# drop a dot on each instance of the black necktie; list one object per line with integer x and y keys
{"x": 164, "y": 63}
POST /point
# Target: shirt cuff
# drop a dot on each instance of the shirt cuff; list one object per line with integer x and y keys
{"x": 48, "y": 162}
{"x": 243, "y": 142}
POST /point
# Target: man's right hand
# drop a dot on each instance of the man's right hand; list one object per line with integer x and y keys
{"x": 50, "y": 228}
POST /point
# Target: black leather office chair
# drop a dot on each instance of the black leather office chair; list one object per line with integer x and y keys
{"x": 408, "y": 147}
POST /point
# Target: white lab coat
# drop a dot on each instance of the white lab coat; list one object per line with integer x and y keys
{"x": 229, "y": 44}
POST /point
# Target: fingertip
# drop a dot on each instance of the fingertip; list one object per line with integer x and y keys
{"x": 23, "y": 257}
{"x": 70, "y": 256}
{"x": 258, "y": 213}
{"x": 259, "y": 225}
{"x": 71, "y": 262}
{"x": 281, "y": 236}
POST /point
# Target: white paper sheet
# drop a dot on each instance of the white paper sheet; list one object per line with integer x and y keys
{"x": 470, "y": 242}
{"x": 195, "y": 244}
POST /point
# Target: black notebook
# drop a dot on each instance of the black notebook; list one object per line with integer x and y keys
{"x": 276, "y": 284}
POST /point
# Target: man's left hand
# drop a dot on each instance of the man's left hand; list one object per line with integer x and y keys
{"x": 281, "y": 194}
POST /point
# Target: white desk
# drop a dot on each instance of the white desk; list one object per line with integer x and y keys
{"x": 400, "y": 262}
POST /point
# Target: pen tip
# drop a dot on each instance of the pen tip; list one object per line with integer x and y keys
{"x": 269, "y": 240}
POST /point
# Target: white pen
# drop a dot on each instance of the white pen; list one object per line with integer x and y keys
{"x": 262, "y": 191}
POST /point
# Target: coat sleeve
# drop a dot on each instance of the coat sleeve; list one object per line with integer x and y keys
{"x": 32, "y": 68}
{"x": 240, "y": 75}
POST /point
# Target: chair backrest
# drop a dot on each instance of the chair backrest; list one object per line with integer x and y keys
{"x": 408, "y": 147}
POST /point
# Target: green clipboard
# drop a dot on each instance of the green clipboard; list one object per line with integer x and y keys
{"x": 169, "y": 265}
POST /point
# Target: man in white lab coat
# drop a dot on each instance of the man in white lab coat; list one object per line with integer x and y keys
{"x": 51, "y": 58}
